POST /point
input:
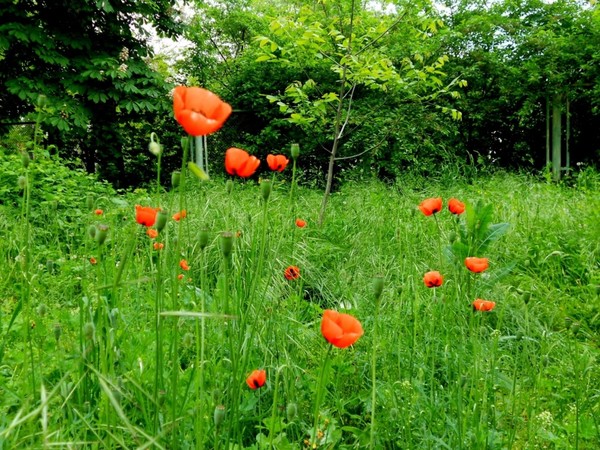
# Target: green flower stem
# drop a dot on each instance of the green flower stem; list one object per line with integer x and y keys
{"x": 373, "y": 371}
{"x": 320, "y": 390}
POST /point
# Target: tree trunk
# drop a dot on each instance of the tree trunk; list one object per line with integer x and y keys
{"x": 556, "y": 137}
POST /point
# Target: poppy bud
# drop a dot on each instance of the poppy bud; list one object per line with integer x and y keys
{"x": 154, "y": 146}
{"x": 42, "y": 309}
{"x": 25, "y": 159}
{"x": 229, "y": 187}
{"x": 89, "y": 201}
{"x": 188, "y": 339}
{"x": 265, "y": 189}
{"x": 575, "y": 327}
{"x": 184, "y": 143}
{"x": 42, "y": 100}
{"x": 161, "y": 220}
{"x": 226, "y": 243}
{"x": 377, "y": 286}
{"x": 57, "y": 331}
{"x": 203, "y": 239}
{"x": 101, "y": 233}
{"x": 89, "y": 330}
{"x": 175, "y": 179}
{"x": 291, "y": 411}
{"x": 22, "y": 182}
{"x": 219, "y": 415}
{"x": 92, "y": 231}
{"x": 295, "y": 151}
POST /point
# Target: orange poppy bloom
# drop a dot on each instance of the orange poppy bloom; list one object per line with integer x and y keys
{"x": 431, "y": 206}
{"x": 93, "y": 261}
{"x": 158, "y": 246}
{"x": 475, "y": 264}
{"x": 145, "y": 215}
{"x": 184, "y": 265}
{"x": 292, "y": 273}
{"x": 99, "y": 212}
{"x": 180, "y": 215}
{"x": 239, "y": 162}
{"x": 456, "y": 206}
{"x": 483, "y": 305}
{"x": 341, "y": 330}
{"x": 256, "y": 379}
{"x": 152, "y": 233}
{"x": 180, "y": 276}
{"x": 277, "y": 162}
{"x": 433, "y": 279}
{"x": 300, "y": 223}
{"x": 199, "y": 111}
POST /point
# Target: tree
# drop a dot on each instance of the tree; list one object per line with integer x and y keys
{"x": 347, "y": 46}
{"x": 91, "y": 60}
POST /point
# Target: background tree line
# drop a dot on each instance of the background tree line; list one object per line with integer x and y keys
{"x": 377, "y": 87}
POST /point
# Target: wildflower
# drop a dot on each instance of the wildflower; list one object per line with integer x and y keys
{"x": 277, "y": 162}
{"x": 433, "y": 279}
{"x": 152, "y": 233}
{"x": 184, "y": 265}
{"x": 158, "y": 246}
{"x": 300, "y": 223}
{"x": 180, "y": 276}
{"x": 199, "y": 111}
{"x": 145, "y": 215}
{"x": 483, "y": 305}
{"x": 99, "y": 212}
{"x": 339, "y": 329}
{"x": 292, "y": 273}
{"x": 93, "y": 261}
{"x": 239, "y": 162}
{"x": 475, "y": 264}
{"x": 180, "y": 215}
{"x": 456, "y": 206}
{"x": 256, "y": 379}
{"x": 431, "y": 206}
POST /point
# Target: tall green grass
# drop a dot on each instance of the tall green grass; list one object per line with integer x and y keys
{"x": 129, "y": 350}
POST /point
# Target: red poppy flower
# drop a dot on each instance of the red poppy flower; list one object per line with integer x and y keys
{"x": 180, "y": 276}
{"x": 239, "y": 162}
{"x": 341, "y": 330}
{"x": 300, "y": 223}
{"x": 483, "y": 305}
{"x": 99, "y": 212}
{"x": 158, "y": 246}
{"x": 180, "y": 215}
{"x": 256, "y": 379}
{"x": 475, "y": 264}
{"x": 145, "y": 215}
{"x": 431, "y": 206}
{"x": 93, "y": 261}
{"x": 292, "y": 273}
{"x": 456, "y": 206}
{"x": 433, "y": 279}
{"x": 277, "y": 162}
{"x": 198, "y": 111}
{"x": 152, "y": 233}
{"x": 184, "y": 265}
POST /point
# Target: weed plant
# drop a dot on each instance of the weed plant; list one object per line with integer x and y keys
{"x": 114, "y": 336}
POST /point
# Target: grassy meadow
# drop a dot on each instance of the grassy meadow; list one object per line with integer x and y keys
{"x": 113, "y": 337}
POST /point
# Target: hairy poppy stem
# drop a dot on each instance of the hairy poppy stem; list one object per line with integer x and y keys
{"x": 320, "y": 387}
